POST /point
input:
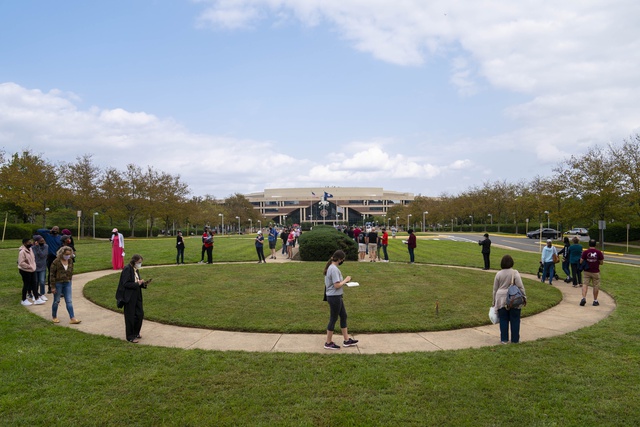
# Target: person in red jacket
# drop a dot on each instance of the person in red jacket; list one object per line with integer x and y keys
{"x": 411, "y": 244}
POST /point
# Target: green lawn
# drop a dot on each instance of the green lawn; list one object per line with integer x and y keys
{"x": 288, "y": 297}
{"x": 59, "y": 376}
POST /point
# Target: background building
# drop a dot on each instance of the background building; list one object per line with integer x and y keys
{"x": 343, "y": 204}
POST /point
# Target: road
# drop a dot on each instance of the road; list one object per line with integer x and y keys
{"x": 533, "y": 245}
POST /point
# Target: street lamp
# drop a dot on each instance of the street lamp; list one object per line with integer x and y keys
{"x": 408, "y": 216}
{"x": 423, "y": 219}
{"x": 363, "y": 215}
{"x": 260, "y": 224}
{"x": 238, "y": 218}
{"x": 397, "y": 218}
{"x": 491, "y": 218}
{"x": 471, "y": 216}
{"x": 44, "y": 218}
{"x": 547, "y": 212}
{"x": 222, "y": 226}
{"x": 94, "y": 224}
{"x": 250, "y": 225}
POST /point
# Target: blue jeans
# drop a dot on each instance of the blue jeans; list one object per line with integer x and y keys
{"x": 63, "y": 288}
{"x": 41, "y": 279}
{"x": 548, "y": 271}
{"x": 384, "y": 250}
{"x": 411, "y": 256}
{"x": 565, "y": 268}
{"x": 509, "y": 317}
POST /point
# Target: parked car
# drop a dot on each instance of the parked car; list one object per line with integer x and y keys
{"x": 578, "y": 232}
{"x": 547, "y": 233}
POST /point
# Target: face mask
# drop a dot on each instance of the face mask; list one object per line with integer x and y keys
{"x": 138, "y": 265}
{"x": 66, "y": 257}
{"x": 340, "y": 263}
{"x": 41, "y": 243}
{"x": 28, "y": 245}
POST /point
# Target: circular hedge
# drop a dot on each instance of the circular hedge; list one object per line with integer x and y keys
{"x": 321, "y": 242}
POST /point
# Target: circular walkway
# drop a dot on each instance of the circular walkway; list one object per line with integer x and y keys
{"x": 567, "y": 316}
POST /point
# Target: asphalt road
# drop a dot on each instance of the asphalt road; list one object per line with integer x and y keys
{"x": 612, "y": 253}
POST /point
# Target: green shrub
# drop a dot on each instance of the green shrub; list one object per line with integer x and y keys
{"x": 615, "y": 232}
{"x": 321, "y": 242}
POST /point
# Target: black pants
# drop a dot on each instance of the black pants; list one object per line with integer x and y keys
{"x": 133, "y": 316}
{"x": 576, "y": 274}
{"x": 210, "y": 255}
{"x": 180, "y": 255}
{"x": 50, "y": 259}
{"x": 336, "y": 307}
{"x": 486, "y": 260}
{"x": 29, "y": 284}
{"x": 260, "y": 251}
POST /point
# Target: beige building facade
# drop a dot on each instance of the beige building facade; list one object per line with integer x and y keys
{"x": 349, "y": 205}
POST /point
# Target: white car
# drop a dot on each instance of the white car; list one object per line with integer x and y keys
{"x": 578, "y": 232}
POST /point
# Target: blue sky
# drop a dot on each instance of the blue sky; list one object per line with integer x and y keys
{"x": 238, "y": 96}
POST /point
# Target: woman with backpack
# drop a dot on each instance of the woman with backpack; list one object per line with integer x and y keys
{"x": 508, "y": 314}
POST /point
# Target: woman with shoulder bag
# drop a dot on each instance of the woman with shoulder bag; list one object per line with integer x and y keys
{"x": 509, "y": 317}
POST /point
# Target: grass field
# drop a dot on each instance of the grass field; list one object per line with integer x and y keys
{"x": 59, "y": 376}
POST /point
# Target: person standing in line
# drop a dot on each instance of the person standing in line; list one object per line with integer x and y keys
{"x": 594, "y": 258}
{"x": 54, "y": 242}
{"x": 129, "y": 296}
{"x": 291, "y": 241}
{"x": 40, "y": 251}
{"x": 575, "y": 254}
{"x": 385, "y": 243}
{"x": 117, "y": 249}
{"x": 284, "y": 236}
{"x": 486, "y": 250}
{"x": 66, "y": 235}
{"x": 394, "y": 231}
{"x": 208, "y": 245}
{"x": 411, "y": 245}
{"x": 362, "y": 245}
{"x": 61, "y": 275}
{"x": 259, "y": 241}
{"x": 565, "y": 259}
{"x": 27, "y": 269}
{"x": 356, "y": 233}
{"x": 508, "y": 317}
{"x": 547, "y": 260}
{"x": 205, "y": 236}
{"x": 372, "y": 242}
{"x": 273, "y": 239}
{"x": 180, "y": 248}
{"x": 333, "y": 291}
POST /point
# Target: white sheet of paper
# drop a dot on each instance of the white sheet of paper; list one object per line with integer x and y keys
{"x": 352, "y": 284}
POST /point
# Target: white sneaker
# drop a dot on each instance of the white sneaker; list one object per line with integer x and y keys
{"x": 38, "y": 302}
{"x": 43, "y": 298}
{"x": 26, "y": 302}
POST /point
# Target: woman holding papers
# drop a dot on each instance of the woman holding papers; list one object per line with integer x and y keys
{"x": 333, "y": 289}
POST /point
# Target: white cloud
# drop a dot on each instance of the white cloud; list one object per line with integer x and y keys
{"x": 576, "y": 60}
{"x": 52, "y": 125}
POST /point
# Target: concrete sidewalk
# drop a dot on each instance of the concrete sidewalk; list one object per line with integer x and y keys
{"x": 566, "y": 317}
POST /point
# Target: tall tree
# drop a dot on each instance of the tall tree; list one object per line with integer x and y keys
{"x": 83, "y": 181}
{"x": 627, "y": 159}
{"x": 597, "y": 181}
{"x": 29, "y": 185}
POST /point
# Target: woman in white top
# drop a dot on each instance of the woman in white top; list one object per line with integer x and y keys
{"x": 508, "y": 317}
{"x": 333, "y": 290}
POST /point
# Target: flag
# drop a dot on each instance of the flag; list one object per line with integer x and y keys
{"x": 327, "y": 195}
{"x": 313, "y": 194}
